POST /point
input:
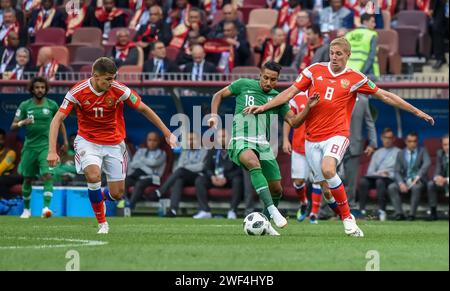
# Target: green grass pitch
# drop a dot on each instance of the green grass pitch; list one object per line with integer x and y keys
{"x": 150, "y": 243}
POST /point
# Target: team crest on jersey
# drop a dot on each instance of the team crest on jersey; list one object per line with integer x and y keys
{"x": 109, "y": 101}
{"x": 46, "y": 111}
{"x": 345, "y": 83}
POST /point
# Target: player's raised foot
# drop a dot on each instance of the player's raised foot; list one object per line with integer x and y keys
{"x": 279, "y": 220}
{"x": 271, "y": 230}
{"x": 350, "y": 227}
{"x": 46, "y": 213}
{"x": 313, "y": 219}
{"x": 26, "y": 213}
{"x": 301, "y": 213}
{"x": 103, "y": 228}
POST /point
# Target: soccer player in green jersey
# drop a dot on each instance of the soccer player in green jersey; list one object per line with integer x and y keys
{"x": 36, "y": 114}
{"x": 249, "y": 145}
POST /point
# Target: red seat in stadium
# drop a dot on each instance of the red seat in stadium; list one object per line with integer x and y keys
{"x": 415, "y": 24}
{"x": 388, "y": 39}
{"x": 172, "y": 53}
{"x": 259, "y": 3}
{"x": 220, "y": 193}
{"x": 263, "y": 17}
{"x": 256, "y": 33}
{"x": 85, "y": 37}
{"x": 85, "y": 56}
{"x": 51, "y": 35}
{"x": 129, "y": 73}
{"x": 61, "y": 54}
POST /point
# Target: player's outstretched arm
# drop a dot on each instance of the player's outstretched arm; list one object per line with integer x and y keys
{"x": 396, "y": 101}
{"x": 154, "y": 118}
{"x": 297, "y": 120}
{"x": 55, "y": 125}
{"x": 215, "y": 104}
{"x": 280, "y": 99}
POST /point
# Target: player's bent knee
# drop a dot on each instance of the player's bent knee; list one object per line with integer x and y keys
{"x": 328, "y": 173}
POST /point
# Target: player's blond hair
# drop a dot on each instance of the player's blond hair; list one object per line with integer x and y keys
{"x": 343, "y": 43}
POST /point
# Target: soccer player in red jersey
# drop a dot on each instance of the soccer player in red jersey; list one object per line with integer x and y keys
{"x": 328, "y": 123}
{"x": 101, "y": 133}
{"x": 300, "y": 171}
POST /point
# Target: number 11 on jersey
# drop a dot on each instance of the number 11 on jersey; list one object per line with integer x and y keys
{"x": 98, "y": 112}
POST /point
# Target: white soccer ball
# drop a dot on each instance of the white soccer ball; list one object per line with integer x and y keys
{"x": 256, "y": 223}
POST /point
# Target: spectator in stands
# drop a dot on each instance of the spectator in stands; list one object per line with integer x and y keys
{"x": 275, "y": 48}
{"x": 179, "y": 14}
{"x": 10, "y": 24}
{"x": 8, "y": 53}
{"x": 45, "y": 16}
{"x": 8, "y": 4}
{"x": 159, "y": 64}
{"x": 231, "y": 51}
{"x": 380, "y": 174}
{"x": 196, "y": 27}
{"x": 297, "y": 35}
{"x": 276, "y": 4}
{"x": 155, "y": 29}
{"x": 364, "y": 44}
{"x": 315, "y": 49}
{"x": 366, "y": 7}
{"x": 48, "y": 67}
{"x": 190, "y": 165}
{"x": 336, "y": 16}
{"x": 199, "y": 66}
{"x": 439, "y": 31}
{"x": 229, "y": 14}
{"x": 361, "y": 115}
{"x": 7, "y": 165}
{"x": 145, "y": 169}
{"x": 411, "y": 169}
{"x": 212, "y": 6}
{"x": 142, "y": 16}
{"x": 28, "y": 6}
{"x": 66, "y": 171}
{"x": 287, "y": 15}
{"x": 22, "y": 67}
{"x": 219, "y": 172}
{"x": 185, "y": 55}
{"x": 125, "y": 51}
{"x": 440, "y": 182}
{"x": 76, "y": 18}
{"x": 109, "y": 16}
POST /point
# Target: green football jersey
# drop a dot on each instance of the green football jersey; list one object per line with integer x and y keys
{"x": 37, "y": 132}
{"x": 254, "y": 128}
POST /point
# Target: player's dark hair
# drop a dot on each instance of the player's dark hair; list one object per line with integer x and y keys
{"x": 38, "y": 80}
{"x": 2, "y": 132}
{"x": 273, "y": 66}
{"x": 366, "y": 17}
{"x": 104, "y": 65}
{"x": 445, "y": 136}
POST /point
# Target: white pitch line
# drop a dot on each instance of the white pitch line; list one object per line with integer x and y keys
{"x": 78, "y": 243}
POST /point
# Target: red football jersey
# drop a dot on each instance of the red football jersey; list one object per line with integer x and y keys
{"x": 332, "y": 115}
{"x": 100, "y": 114}
{"x": 297, "y": 104}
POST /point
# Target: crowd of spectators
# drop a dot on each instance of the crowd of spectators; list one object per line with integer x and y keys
{"x": 300, "y": 36}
